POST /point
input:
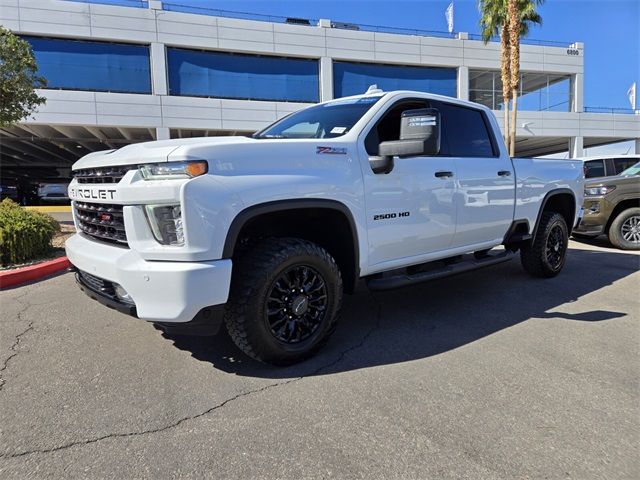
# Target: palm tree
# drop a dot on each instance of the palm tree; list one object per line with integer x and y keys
{"x": 510, "y": 19}
{"x": 494, "y": 22}
{"x": 521, "y": 14}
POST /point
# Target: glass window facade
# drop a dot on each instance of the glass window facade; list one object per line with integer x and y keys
{"x": 96, "y": 66}
{"x": 355, "y": 78}
{"x": 247, "y": 77}
{"x": 538, "y": 91}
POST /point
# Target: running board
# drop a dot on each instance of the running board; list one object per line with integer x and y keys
{"x": 405, "y": 279}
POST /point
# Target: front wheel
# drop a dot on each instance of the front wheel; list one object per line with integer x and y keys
{"x": 546, "y": 254}
{"x": 284, "y": 300}
{"x": 624, "y": 231}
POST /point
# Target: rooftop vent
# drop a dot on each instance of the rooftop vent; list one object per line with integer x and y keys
{"x": 298, "y": 21}
{"x": 345, "y": 26}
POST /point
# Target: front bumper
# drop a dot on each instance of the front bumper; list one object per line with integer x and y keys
{"x": 594, "y": 218}
{"x": 164, "y": 292}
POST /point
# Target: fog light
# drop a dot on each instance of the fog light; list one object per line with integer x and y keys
{"x": 166, "y": 223}
{"x": 594, "y": 207}
{"x": 122, "y": 294}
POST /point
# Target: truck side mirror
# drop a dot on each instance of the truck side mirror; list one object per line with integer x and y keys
{"x": 419, "y": 135}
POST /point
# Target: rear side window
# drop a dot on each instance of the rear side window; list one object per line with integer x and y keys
{"x": 621, "y": 164}
{"x": 464, "y": 132}
{"x": 594, "y": 168}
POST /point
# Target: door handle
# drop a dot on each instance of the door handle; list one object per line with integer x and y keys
{"x": 504, "y": 173}
{"x": 443, "y": 174}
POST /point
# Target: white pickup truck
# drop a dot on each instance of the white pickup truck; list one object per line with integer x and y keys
{"x": 265, "y": 233}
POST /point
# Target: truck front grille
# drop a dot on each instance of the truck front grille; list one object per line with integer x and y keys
{"x": 102, "y": 174}
{"x": 101, "y": 221}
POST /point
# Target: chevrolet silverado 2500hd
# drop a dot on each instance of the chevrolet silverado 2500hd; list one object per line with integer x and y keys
{"x": 263, "y": 234}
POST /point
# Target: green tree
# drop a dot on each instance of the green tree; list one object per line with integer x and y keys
{"x": 493, "y": 23}
{"x": 511, "y": 20}
{"x": 522, "y": 13}
{"x": 18, "y": 79}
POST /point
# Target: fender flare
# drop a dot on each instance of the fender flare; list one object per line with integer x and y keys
{"x": 254, "y": 211}
{"x": 543, "y": 204}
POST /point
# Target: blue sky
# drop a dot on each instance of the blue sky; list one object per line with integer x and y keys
{"x": 610, "y": 29}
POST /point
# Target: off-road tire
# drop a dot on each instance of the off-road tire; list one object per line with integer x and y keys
{"x": 254, "y": 277}
{"x": 535, "y": 256}
{"x": 615, "y": 230}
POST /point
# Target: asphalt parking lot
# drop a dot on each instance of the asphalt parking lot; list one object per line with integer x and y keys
{"x": 491, "y": 374}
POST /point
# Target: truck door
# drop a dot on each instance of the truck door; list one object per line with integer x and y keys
{"x": 485, "y": 178}
{"x": 410, "y": 210}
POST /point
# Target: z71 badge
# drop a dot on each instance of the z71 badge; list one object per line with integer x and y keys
{"x": 331, "y": 150}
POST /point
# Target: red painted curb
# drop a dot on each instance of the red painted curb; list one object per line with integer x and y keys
{"x": 12, "y": 278}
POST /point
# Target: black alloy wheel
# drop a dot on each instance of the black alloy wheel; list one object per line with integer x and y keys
{"x": 297, "y": 304}
{"x": 556, "y": 246}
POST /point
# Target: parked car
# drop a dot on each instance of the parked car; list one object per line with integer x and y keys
{"x": 53, "y": 192}
{"x": 8, "y": 189}
{"x": 264, "y": 234}
{"x": 612, "y": 208}
{"x": 607, "y": 166}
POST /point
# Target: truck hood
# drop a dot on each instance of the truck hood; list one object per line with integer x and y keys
{"x": 154, "y": 152}
{"x": 611, "y": 180}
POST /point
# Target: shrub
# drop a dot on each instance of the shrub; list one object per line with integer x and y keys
{"x": 24, "y": 234}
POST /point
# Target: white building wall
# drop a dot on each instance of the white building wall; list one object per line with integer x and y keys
{"x": 159, "y": 29}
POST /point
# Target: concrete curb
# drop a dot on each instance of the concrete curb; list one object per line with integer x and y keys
{"x": 51, "y": 209}
{"x": 18, "y": 276}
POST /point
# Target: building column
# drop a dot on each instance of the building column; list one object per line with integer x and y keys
{"x": 326, "y": 79}
{"x": 578, "y": 81}
{"x": 576, "y": 147}
{"x": 638, "y": 146}
{"x": 158, "y": 69}
{"x": 578, "y": 92}
{"x": 463, "y": 83}
{"x": 163, "y": 133}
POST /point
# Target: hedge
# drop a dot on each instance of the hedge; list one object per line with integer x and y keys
{"x": 24, "y": 234}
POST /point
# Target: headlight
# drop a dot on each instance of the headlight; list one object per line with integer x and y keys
{"x": 172, "y": 170}
{"x": 166, "y": 223}
{"x": 598, "y": 191}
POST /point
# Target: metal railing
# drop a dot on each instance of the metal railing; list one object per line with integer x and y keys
{"x": 528, "y": 41}
{"x": 312, "y": 22}
{"x": 216, "y": 12}
{"x": 117, "y": 3}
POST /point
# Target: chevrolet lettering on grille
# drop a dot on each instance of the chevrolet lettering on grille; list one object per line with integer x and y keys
{"x": 91, "y": 194}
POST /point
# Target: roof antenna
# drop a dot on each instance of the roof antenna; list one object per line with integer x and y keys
{"x": 373, "y": 89}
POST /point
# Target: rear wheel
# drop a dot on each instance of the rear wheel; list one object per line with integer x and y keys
{"x": 284, "y": 300}
{"x": 624, "y": 231}
{"x": 546, "y": 254}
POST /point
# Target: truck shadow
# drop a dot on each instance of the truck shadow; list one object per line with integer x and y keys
{"x": 432, "y": 318}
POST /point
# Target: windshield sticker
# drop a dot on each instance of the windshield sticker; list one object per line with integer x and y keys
{"x": 422, "y": 121}
{"x": 331, "y": 150}
{"x": 338, "y": 130}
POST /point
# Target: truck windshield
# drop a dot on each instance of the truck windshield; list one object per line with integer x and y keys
{"x": 327, "y": 120}
{"x": 633, "y": 170}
